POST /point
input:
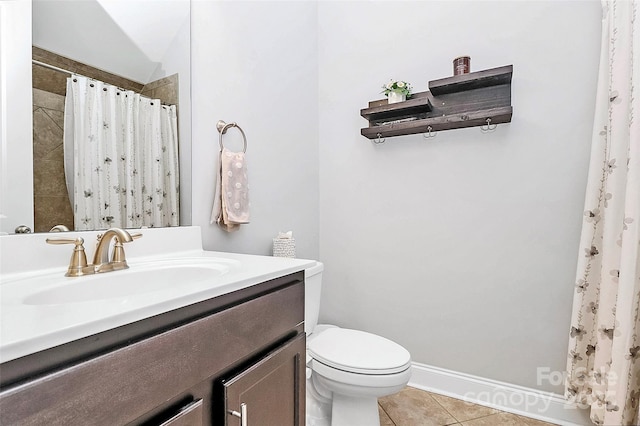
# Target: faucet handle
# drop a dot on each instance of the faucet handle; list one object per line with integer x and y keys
{"x": 134, "y": 236}
{"x": 118, "y": 257}
{"x": 76, "y": 241}
{"x": 78, "y": 263}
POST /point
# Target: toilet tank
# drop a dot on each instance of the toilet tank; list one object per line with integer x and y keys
{"x": 312, "y": 291}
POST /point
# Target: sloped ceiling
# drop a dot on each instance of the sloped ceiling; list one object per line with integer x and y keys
{"x": 124, "y": 37}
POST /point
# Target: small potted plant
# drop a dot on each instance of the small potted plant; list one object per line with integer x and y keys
{"x": 396, "y": 91}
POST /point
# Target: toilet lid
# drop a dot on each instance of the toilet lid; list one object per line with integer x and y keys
{"x": 359, "y": 352}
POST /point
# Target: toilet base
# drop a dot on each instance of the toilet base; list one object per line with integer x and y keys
{"x": 319, "y": 402}
{"x": 354, "y": 411}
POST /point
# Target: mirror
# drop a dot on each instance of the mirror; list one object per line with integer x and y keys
{"x": 142, "y": 46}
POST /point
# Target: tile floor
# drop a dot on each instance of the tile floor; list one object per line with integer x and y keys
{"x": 414, "y": 407}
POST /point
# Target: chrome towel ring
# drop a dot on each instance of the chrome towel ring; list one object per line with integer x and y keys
{"x": 222, "y": 129}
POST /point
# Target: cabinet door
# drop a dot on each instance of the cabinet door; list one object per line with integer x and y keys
{"x": 272, "y": 391}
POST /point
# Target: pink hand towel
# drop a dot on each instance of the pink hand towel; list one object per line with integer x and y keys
{"x": 231, "y": 200}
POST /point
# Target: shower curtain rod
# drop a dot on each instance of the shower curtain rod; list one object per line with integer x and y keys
{"x": 51, "y": 67}
{"x": 42, "y": 64}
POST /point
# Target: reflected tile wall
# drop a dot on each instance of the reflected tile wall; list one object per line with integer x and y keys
{"x": 165, "y": 89}
{"x": 50, "y": 197}
{"x": 56, "y": 82}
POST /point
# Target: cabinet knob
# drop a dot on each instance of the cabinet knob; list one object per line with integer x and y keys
{"x": 242, "y": 414}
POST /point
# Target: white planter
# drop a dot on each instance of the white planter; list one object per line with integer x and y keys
{"x": 395, "y": 97}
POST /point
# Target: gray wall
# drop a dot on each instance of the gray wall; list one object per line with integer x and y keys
{"x": 461, "y": 248}
{"x": 255, "y": 63}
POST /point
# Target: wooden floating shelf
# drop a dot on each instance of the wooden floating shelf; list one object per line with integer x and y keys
{"x": 419, "y": 103}
{"x": 472, "y": 119}
{"x": 466, "y": 100}
{"x": 473, "y": 80}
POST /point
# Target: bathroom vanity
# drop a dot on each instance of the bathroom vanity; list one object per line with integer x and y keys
{"x": 231, "y": 352}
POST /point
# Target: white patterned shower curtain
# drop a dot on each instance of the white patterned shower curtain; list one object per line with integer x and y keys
{"x": 604, "y": 345}
{"x": 121, "y": 157}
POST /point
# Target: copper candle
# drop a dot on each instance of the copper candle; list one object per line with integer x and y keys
{"x": 461, "y": 65}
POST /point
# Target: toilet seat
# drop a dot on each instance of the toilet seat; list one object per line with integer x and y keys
{"x": 359, "y": 352}
{"x": 357, "y": 384}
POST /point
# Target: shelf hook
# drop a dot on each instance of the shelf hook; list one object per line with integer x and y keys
{"x": 430, "y": 134}
{"x": 378, "y": 139}
{"x": 489, "y": 127}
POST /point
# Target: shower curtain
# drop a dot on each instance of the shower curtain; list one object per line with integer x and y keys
{"x": 604, "y": 344}
{"x": 121, "y": 157}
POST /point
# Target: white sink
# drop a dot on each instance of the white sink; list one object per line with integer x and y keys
{"x": 139, "y": 279}
{"x": 41, "y": 308}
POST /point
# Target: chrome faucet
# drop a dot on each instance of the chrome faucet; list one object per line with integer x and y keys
{"x": 101, "y": 263}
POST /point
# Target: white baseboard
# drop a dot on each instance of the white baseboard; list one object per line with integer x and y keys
{"x": 545, "y": 406}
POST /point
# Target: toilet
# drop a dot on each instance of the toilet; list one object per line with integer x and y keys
{"x": 347, "y": 370}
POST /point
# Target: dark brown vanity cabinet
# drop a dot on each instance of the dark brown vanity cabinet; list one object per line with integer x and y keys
{"x": 196, "y": 365}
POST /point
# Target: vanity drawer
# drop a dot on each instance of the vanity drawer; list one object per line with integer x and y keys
{"x": 189, "y": 415}
{"x": 121, "y": 386}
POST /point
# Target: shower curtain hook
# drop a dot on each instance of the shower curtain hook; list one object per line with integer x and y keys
{"x": 429, "y": 134}
{"x": 489, "y": 127}
{"x": 378, "y": 140}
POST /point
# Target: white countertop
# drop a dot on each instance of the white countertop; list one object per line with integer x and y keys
{"x": 28, "y": 328}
